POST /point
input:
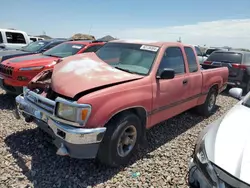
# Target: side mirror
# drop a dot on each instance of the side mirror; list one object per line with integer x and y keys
{"x": 236, "y": 93}
{"x": 166, "y": 74}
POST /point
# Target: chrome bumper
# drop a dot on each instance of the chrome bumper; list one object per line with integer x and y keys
{"x": 66, "y": 132}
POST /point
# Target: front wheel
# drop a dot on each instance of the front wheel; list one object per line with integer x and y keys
{"x": 208, "y": 107}
{"x": 121, "y": 140}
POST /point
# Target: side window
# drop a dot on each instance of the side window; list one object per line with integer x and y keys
{"x": 247, "y": 58}
{"x": 198, "y": 51}
{"x": 15, "y": 38}
{"x": 1, "y": 38}
{"x": 53, "y": 45}
{"x": 173, "y": 59}
{"x": 191, "y": 58}
{"x": 33, "y": 39}
{"x": 92, "y": 48}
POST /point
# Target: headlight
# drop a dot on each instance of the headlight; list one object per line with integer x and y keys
{"x": 31, "y": 68}
{"x": 201, "y": 159}
{"x": 73, "y": 112}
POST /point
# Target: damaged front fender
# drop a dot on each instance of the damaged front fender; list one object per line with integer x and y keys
{"x": 41, "y": 81}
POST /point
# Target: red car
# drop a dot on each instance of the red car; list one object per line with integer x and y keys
{"x": 18, "y": 72}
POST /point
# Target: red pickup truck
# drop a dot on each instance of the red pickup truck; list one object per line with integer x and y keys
{"x": 18, "y": 72}
{"x": 100, "y": 105}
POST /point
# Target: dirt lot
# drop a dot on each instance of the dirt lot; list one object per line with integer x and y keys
{"x": 29, "y": 160}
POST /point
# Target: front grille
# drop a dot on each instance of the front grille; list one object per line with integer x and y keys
{"x": 41, "y": 102}
{"x": 8, "y": 70}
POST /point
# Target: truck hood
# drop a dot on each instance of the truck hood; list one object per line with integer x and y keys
{"x": 228, "y": 143}
{"x": 86, "y": 73}
{"x": 30, "y": 60}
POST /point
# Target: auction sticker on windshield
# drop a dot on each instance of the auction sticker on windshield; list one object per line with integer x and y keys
{"x": 77, "y": 47}
{"x": 149, "y": 48}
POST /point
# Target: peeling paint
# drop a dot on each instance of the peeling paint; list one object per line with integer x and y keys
{"x": 84, "y": 66}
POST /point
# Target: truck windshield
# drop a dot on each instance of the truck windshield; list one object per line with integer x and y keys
{"x": 133, "y": 58}
{"x": 226, "y": 57}
{"x": 34, "y": 46}
{"x": 64, "y": 50}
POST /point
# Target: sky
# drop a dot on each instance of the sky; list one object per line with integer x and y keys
{"x": 210, "y": 23}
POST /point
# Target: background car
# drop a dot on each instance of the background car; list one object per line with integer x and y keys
{"x": 17, "y": 72}
{"x": 221, "y": 154}
{"x": 31, "y": 48}
{"x": 238, "y": 63}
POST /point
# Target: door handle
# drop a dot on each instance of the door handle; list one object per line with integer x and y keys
{"x": 185, "y": 81}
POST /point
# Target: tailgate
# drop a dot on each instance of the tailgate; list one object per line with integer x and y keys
{"x": 214, "y": 76}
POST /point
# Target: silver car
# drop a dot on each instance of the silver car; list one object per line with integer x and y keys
{"x": 221, "y": 156}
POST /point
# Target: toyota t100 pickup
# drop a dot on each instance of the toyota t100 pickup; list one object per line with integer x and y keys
{"x": 100, "y": 105}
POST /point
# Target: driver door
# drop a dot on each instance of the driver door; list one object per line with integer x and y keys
{"x": 168, "y": 95}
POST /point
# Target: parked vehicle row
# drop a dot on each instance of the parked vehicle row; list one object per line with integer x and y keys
{"x": 99, "y": 105}
{"x": 18, "y": 72}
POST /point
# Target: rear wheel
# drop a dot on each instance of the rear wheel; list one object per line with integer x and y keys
{"x": 121, "y": 140}
{"x": 208, "y": 107}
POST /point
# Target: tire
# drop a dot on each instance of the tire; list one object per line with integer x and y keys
{"x": 247, "y": 88}
{"x": 208, "y": 107}
{"x": 109, "y": 151}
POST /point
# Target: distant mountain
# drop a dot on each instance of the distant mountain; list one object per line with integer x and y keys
{"x": 107, "y": 38}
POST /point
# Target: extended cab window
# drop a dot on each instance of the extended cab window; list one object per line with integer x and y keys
{"x": 133, "y": 58}
{"x": 191, "y": 58}
{"x": 173, "y": 59}
{"x": 15, "y": 38}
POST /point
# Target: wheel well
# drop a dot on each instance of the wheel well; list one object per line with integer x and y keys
{"x": 216, "y": 88}
{"x": 139, "y": 111}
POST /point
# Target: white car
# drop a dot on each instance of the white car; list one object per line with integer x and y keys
{"x": 201, "y": 56}
{"x": 222, "y": 153}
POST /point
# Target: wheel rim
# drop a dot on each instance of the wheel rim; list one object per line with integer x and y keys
{"x": 211, "y": 102}
{"x": 126, "y": 141}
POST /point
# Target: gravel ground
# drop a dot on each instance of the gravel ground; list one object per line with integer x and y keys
{"x": 29, "y": 160}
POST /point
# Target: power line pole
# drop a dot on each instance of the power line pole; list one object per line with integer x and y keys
{"x": 179, "y": 40}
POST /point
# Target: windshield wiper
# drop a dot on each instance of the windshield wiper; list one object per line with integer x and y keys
{"x": 126, "y": 70}
{"x": 23, "y": 50}
{"x": 51, "y": 55}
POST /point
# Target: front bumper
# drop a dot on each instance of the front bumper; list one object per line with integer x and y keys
{"x": 196, "y": 179}
{"x": 10, "y": 89}
{"x": 75, "y": 142}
